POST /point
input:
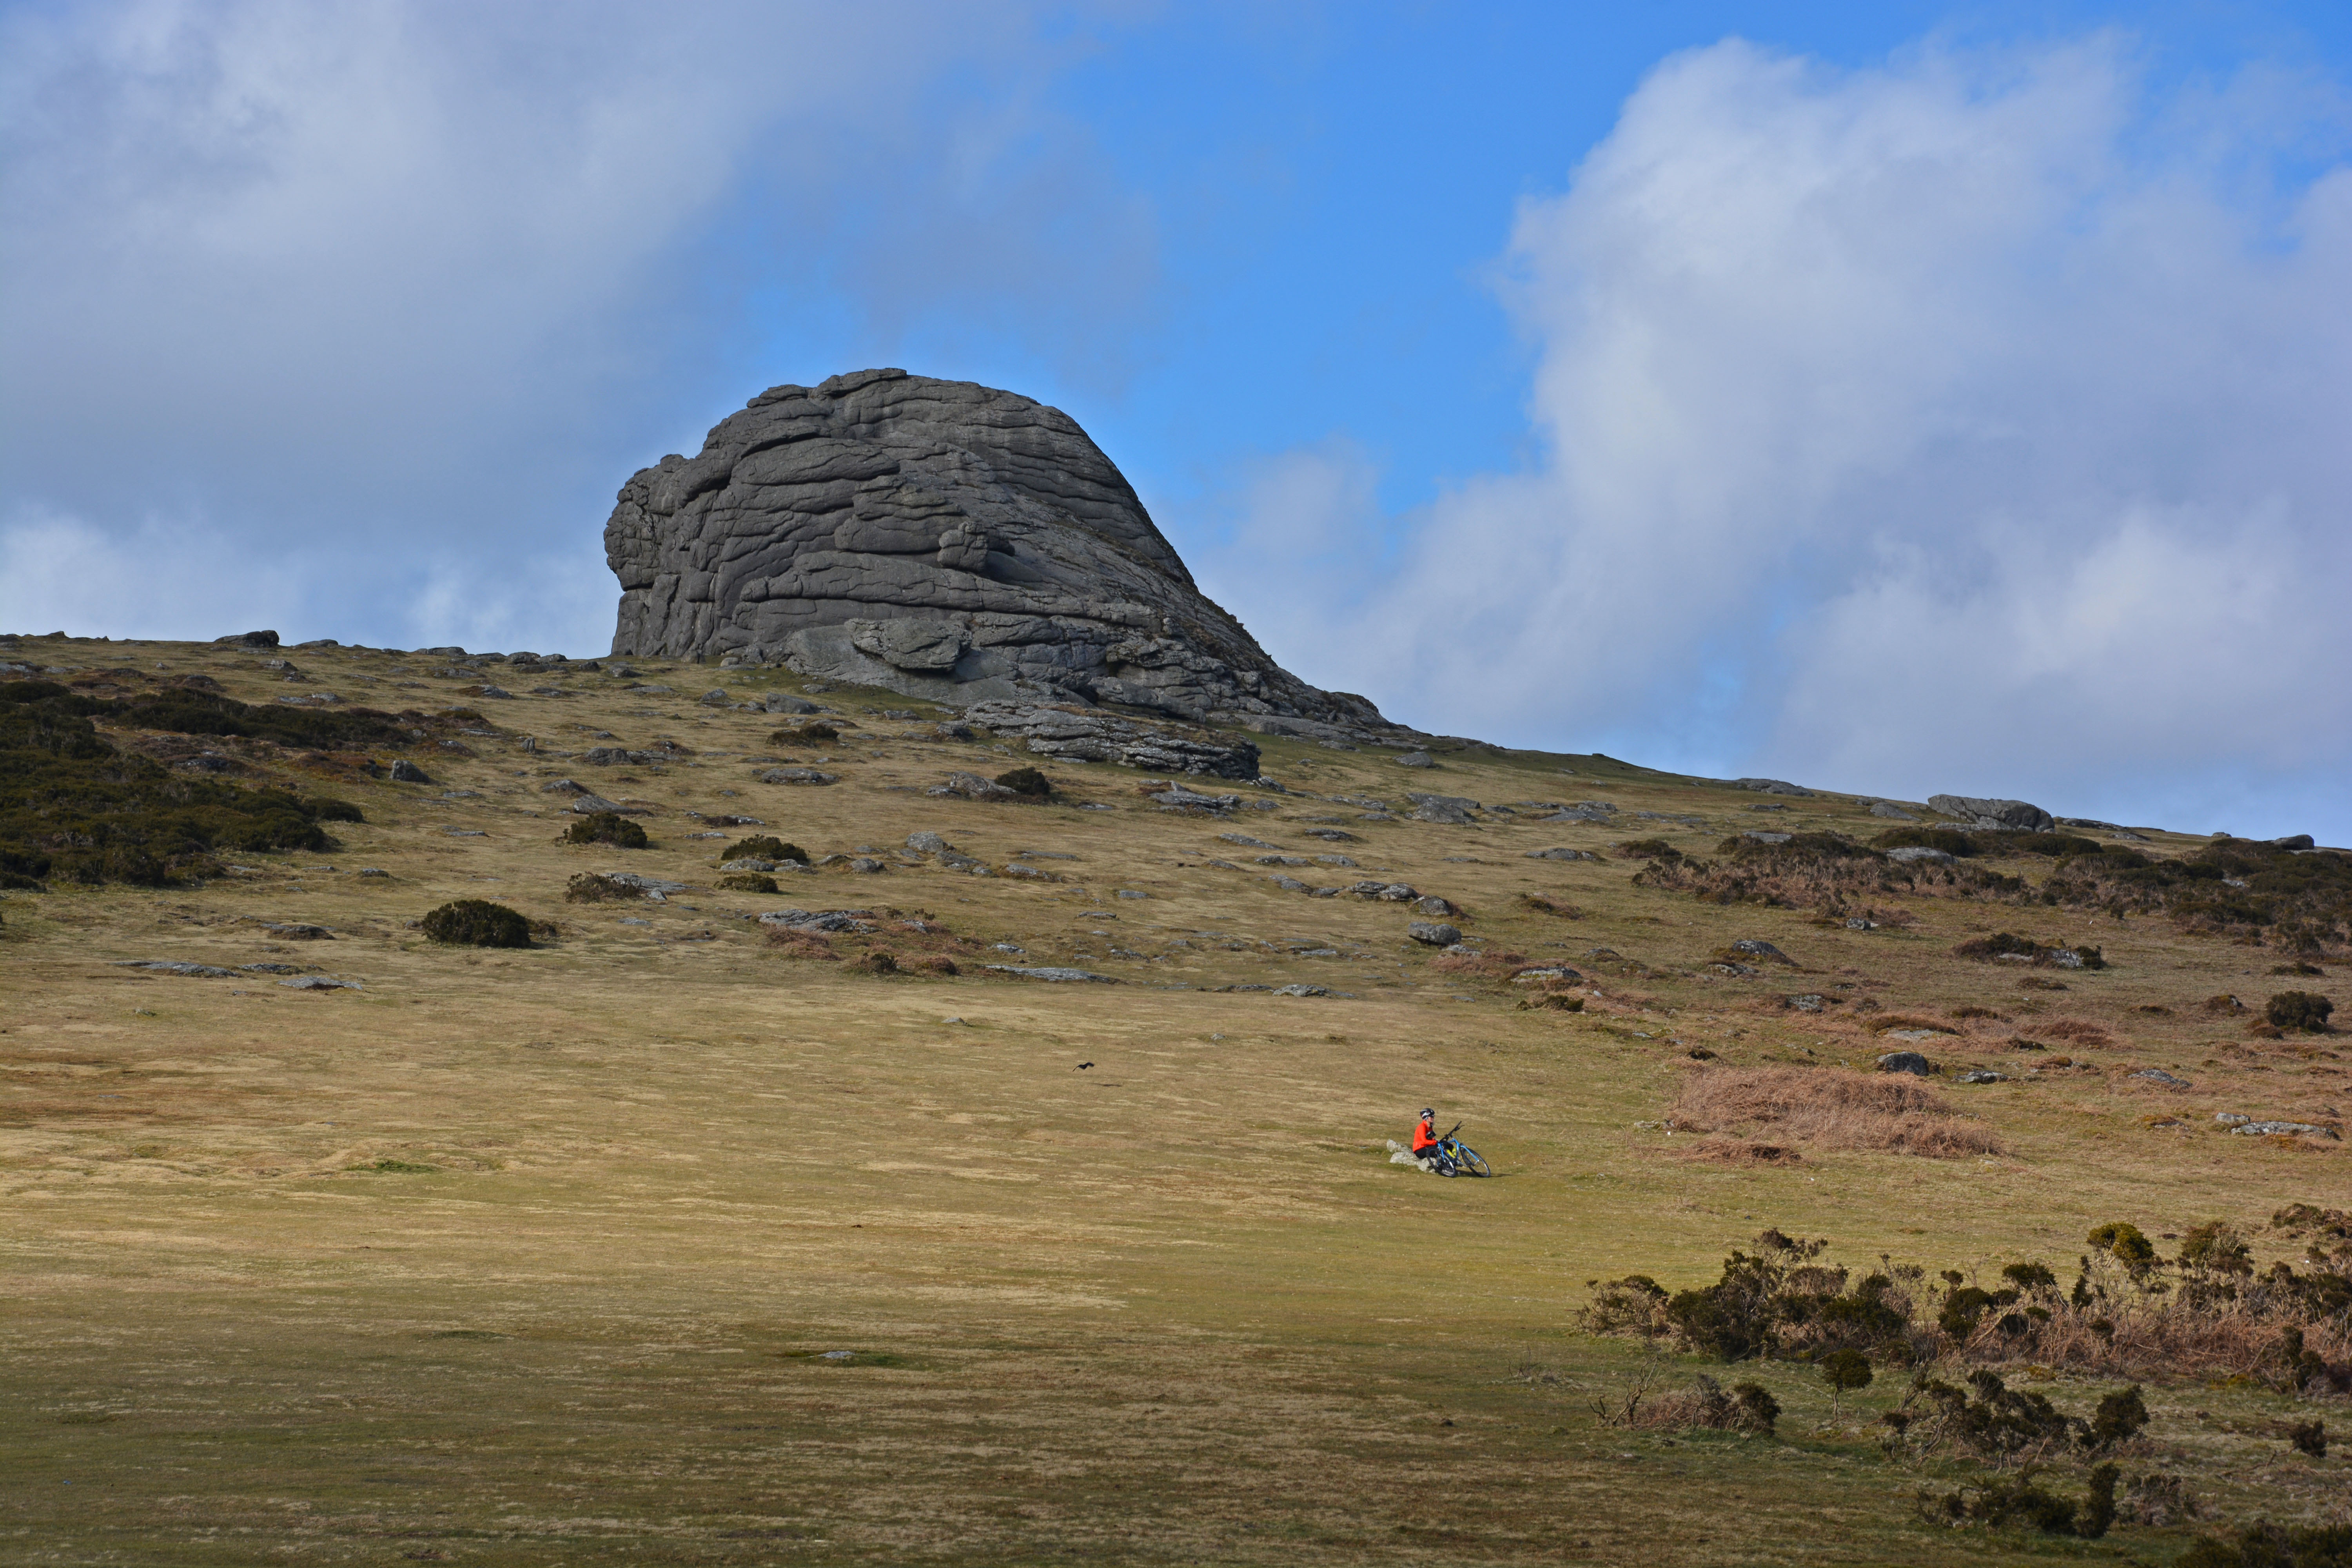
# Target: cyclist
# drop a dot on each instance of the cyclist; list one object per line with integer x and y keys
{"x": 1426, "y": 1143}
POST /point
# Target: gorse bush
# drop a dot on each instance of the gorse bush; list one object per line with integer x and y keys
{"x": 1026, "y": 782}
{"x": 606, "y": 827}
{"x": 477, "y": 923}
{"x": 1824, "y": 871}
{"x": 762, "y": 846}
{"x": 2129, "y": 1311}
{"x": 2306, "y": 1010}
{"x": 593, "y": 887}
{"x": 73, "y": 807}
{"x": 747, "y": 882}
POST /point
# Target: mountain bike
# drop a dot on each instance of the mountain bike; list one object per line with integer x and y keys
{"x": 1464, "y": 1160}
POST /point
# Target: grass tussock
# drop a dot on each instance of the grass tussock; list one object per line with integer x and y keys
{"x": 1830, "y": 1107}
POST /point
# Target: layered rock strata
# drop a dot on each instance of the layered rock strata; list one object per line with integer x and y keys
{"x": 939, "y": 539}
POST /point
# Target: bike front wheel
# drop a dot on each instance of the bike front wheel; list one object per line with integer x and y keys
{"x": 1471, "y": 1161}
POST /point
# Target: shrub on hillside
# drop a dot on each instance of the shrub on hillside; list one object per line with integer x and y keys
{"x": 1026, "y": 782}
{"x": 762, "y": 846}
{"x": 594, "y": 888}
{"x": 2306, "y": 1010}
{"x": 606, "y": 827}
{"x": 73, "y": 807}
{"x": 747, "y": 882}
{"x": 477, "y": 923}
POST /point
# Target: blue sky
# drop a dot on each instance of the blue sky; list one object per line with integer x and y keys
{"x": 1901, "y": 397}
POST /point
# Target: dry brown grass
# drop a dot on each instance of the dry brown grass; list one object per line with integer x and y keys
{"x": 1831, "y": 1108}
{"x": 1493, "y": 965}
{"x": 1741, "y": 1151}
{"x": 2077, "y": 1032}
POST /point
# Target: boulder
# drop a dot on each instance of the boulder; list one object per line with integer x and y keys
{"x": 1416, "y": 759}
{"x": 248, "y": 639}
{"x": 1889, "y": 809}
{"x": 926, "y": 843}
{"x": 1771, "y": 786}
{"x": 971, "y": 786}
{"x": 799, "y": 776}
{"x": 938, "y": 539}
{"x": 1970, "y": 811}
{"x": 1434, "y": 907}
{"x": 1082, "y": 734}
{"x": 1561, "y": 855}
{"x": 1447, "y": 808}
{"x": 1432, "y": 933}
{"x": 405, "y": 772}
{"x": 1906, "y": 1061}
{"x": 1921, "y": 855}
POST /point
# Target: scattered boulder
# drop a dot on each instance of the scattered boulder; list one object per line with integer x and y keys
{"x": 1082, "y": 734}
{"x": 1561, "y": 855}
{"x": 1056, "y": 975}
{"x": 1921, "y": 855}
{"x": 1434, "y": 907}
{"x": 405, "y": 772}
{"x": 1972, "y": 810}
{"x": 175, "y": 966}
{"x": 1757, "y": 947}
{"x": 1452, "y": 809}
{"x": 247, "y": 639}
{"x": 587, "y": 804}
{"x": 809, "y": 777}
{"x": 1906, "y": 1061}
{"x": 1771, "y": 786}
{"x": 1888, "y": 808}
{"x": 717, "y": 696}
{"x": 1176, "y": 797}
{"x": 926, "y": 843}
{"x": 1385, "y": 892}
{"x": 1983, "y": 1075}
{"x": 971, "y": 786}
{"x": 2161, "y": 1078}
{"x": 1430, "y": 933}
{"x": 1416, "y": 759}
{"x": 1812, "y": 1002}
{"x": 320, "y": 982}
{"x": 2276, "y": 1129}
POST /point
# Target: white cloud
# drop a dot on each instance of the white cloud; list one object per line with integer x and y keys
{"x": 1973, "y": 423}
{"x": 376, "y": 287}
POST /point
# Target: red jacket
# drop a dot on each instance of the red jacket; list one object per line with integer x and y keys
{"x": 1424, "y": 1136}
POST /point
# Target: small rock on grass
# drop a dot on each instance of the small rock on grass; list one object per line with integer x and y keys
{"x": 1430, "y": 933}
{"x": 1906, "y": 1061}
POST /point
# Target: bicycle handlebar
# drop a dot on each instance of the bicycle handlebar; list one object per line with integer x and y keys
{"x": 1452, "y": 1130}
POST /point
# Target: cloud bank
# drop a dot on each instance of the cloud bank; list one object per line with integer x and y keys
{"x": 1974, "y": 424}
{"x": 358, "y": 315}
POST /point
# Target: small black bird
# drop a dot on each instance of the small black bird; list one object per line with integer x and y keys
{"x": 1084, "y": 1066}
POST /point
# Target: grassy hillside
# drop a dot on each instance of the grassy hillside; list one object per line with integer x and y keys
{"x": 553, "y": 1254}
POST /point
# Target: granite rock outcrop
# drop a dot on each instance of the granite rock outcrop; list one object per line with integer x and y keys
{"x": 943, "y": 539}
